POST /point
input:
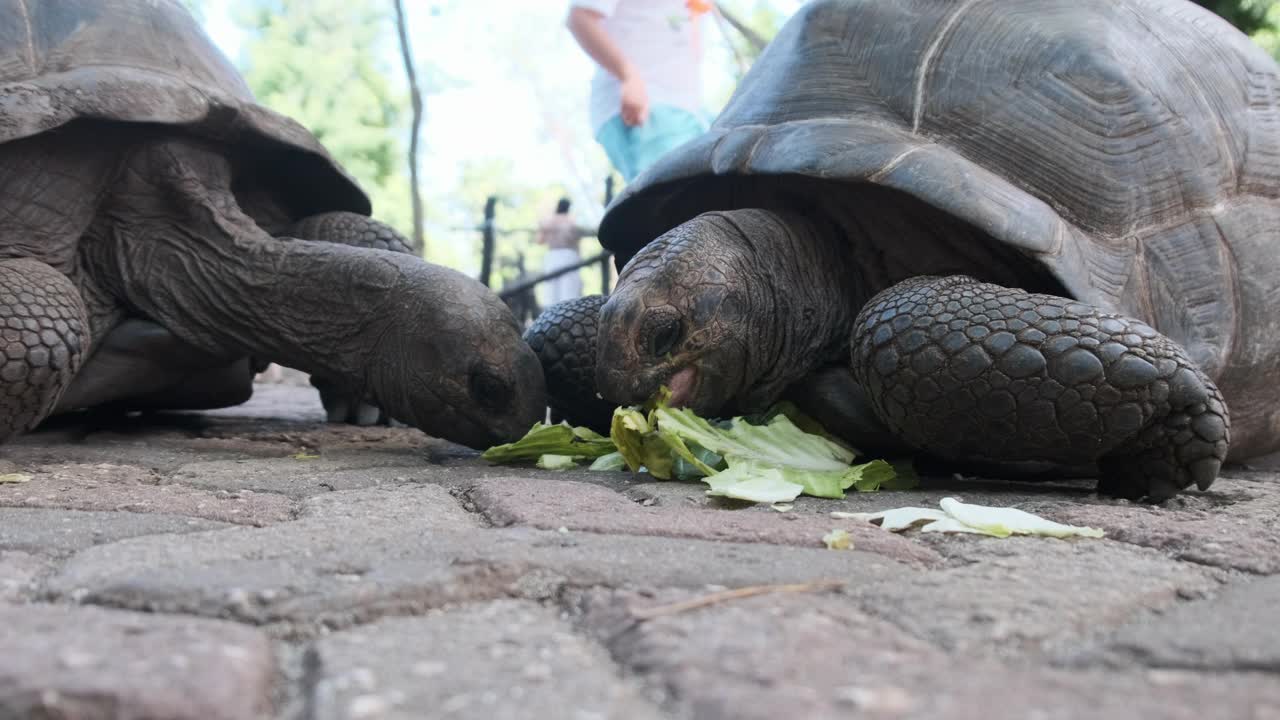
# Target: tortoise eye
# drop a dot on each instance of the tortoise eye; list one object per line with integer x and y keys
{"x": 488, "y": 390}
{"x": 665, "y": 337}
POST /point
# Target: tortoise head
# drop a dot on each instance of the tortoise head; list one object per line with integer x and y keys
{"x": 682, "y": 316}
{"x": 451, "y": 360}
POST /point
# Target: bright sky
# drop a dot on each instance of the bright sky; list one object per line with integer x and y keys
{"x": 511, "y": 69}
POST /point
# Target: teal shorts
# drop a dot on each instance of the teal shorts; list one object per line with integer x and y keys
{"x": 633, "y": 149}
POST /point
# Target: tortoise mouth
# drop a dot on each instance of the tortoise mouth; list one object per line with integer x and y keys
{"x": 683, "y": 385}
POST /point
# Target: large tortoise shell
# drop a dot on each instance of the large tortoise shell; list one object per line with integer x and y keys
{"x": 148, "y": 61}
{"x": 1129, "y": 149}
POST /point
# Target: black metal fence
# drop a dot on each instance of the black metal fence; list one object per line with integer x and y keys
{"x": 520, "y": 294}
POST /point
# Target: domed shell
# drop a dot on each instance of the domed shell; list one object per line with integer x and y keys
{"x": 1129, "y": 148}
{"x": 148, "y": 61}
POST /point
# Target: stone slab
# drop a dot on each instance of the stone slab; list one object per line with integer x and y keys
{"x": 551, "y": 504}
{"x": 1236, "y": 525}
{"x": 496, "y": 661}
{"x": 1236, "y": 629}
{"x": 107, "y": 487}
{"x": 20, "y": 573}
{"x": 299, "y": 477}
{"x": 816, "y": 656}
{"x": 56, "y": 532}
{"x": 77, "y": 663}
{"x": 1021, "y": 596}
{"x": 335, "y": 570}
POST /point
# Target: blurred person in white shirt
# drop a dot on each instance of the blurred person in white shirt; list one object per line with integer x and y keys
{"x": 646, "y": 96}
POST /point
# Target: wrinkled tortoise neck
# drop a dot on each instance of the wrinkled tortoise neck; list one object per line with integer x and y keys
{"x": 799, "y": 277}
{"x": 175, "y": 247}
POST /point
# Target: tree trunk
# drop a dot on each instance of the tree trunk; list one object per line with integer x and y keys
{"x": 751, "y": 36}
{"x": 415, "y": 96}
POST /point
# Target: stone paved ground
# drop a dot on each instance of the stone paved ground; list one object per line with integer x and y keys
{"x": 256, "y": 563}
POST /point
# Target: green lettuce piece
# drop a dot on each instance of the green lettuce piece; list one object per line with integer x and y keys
{"x": 800, "y": 420}
{"x": 556, "y": 462}
{"x": 867, "y": 477}
{"x": 753, "y": 483}
{"x": 560, "y": 439}
{"x": 878, "y": 475}
{"x": 1003, "y": 522}
{"x": 611, "y": 462}
{"x": 779, "y": 443}
{"x": 639, "y": 445}
{"x": 838, "y": 539}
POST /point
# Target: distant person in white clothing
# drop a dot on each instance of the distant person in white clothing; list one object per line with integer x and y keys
{"x": 646, "y": 96}
{"x": 562, "y": 238}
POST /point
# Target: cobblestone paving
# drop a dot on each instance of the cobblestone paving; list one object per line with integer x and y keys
{"x": 257, "y": 563}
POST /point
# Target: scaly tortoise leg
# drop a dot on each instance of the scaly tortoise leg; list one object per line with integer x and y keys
{"x": 564, "y": 339}
{"x": 345, "y": 228}
{"x": 969, "y": 370}
{"x": 43, "y": 334}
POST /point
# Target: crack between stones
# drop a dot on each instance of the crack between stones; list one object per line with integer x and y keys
{"x": 567, "y": 599}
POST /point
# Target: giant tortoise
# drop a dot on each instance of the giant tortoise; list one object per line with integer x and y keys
{"x": 158, "y": 229}
{"x": 1015, "y": 234}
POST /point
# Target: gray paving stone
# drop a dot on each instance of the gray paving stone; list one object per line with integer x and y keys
{"x": 19, "y": 573}
{"x": 56, "y": 532}
{"x": 430, "y": 507}
{"x": 1020, "y": 595}
{"x": 1236, "y": 525}
{"x": 1235, "y": 629}
{"x": 501, "y": 660}
{"x": 76, "y": 663}
{"x": 106, "y": 486}
{"x": 548, "y": 503}
{"x": 816, "y": 656}
{"x": 339, "y": 570}
{"x": 299, "y": 478}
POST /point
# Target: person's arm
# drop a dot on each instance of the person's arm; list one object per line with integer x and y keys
{"x": 587, "y": 27}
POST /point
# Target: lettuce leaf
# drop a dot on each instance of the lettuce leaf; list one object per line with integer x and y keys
{"x": 757, "y": 484}
{"x": 779, "y": 443}
{"x": 560, "y": 439}
{"x": 1003, "y": 522}
{"x": 556, "y": 462}
{"x": 609, "y": 463}
{"x": 956, "y": 516}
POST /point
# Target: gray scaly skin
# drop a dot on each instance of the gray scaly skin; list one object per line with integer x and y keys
{"x": 736, "y": 310}
{"x": 154, "y": 234}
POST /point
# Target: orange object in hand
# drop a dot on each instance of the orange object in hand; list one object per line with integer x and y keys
{"x": 697, "y": 7}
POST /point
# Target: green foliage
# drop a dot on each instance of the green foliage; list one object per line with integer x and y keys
{"x": 327, "y": 64}
{"x": 1268, "y": 36}
{"x": 1249, "y": 16}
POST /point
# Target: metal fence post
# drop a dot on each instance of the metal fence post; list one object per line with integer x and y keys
{"x": 489, "y": 232}
{"x": 604, "y": 260}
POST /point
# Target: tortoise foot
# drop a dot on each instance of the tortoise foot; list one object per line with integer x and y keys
{"x": 1184, "y": 447}
{"x": 45, "y": 332}
{"x": 564, "y": 339}
{"x": 972, "y": 371}
{"x": 342, "y": 406}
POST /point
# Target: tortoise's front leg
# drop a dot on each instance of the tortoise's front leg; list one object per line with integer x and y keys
{"x": 968, "y": 370}
{"x": 341, "y": 404}
{"x": 564, "y": 339}
{"x": 43, "y": 335}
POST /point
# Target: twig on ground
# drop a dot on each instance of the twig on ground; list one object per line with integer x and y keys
{"x": 727, "y": 595}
